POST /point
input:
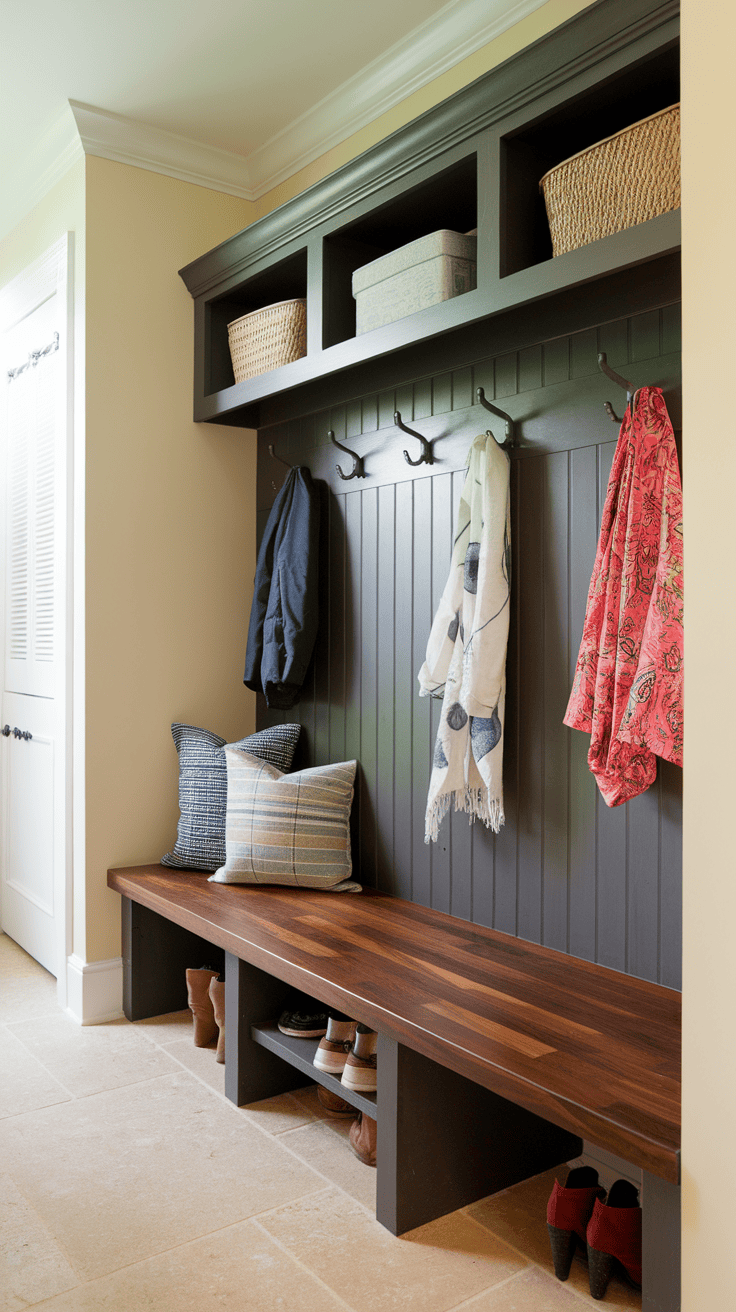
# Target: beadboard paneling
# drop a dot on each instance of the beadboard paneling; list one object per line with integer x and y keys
{"x": 565, "y": 871}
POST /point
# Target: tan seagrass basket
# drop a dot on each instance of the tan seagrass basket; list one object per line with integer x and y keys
{"x": 268, "y": 338}
{"x": 620, "y": 181}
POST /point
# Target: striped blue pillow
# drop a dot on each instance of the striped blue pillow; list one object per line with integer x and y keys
{"x": 200, "y": 839}
{"x": 287, "y": 828}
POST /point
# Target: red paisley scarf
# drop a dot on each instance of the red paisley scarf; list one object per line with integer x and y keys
{"x": 627, "y": 691}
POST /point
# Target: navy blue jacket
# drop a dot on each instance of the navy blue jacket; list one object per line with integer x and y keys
{"x": 283, "y": 617}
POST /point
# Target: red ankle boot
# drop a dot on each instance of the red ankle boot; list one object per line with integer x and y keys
{"x": 569, "y": 1210}
{"x": 614, "y": 1238}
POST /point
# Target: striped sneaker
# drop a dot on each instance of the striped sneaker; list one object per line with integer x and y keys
{"x": 360, "y": 1070}
{"x": 332, "y": 1051}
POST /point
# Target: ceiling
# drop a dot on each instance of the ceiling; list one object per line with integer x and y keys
{"x": 237, "y": 93}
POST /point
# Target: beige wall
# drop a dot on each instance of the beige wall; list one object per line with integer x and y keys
{"x": 509, "y": 43}
{"x": 170, "y": 528}
{"x": 709, "y": 351}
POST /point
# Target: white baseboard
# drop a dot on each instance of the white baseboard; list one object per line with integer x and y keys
{"x": 94, "y": 990}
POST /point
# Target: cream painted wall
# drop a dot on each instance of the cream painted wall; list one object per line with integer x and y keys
{"x": 509, "y": 43}
{"x": 170, "y": 527}
{"x": 709, "y": 959}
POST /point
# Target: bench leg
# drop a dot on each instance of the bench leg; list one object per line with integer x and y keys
{"x": 660, "y": 1245}
{"x": 252, "y": 1072}
{"x": 156, "y": 954}
{"x": 444, "y": 1141}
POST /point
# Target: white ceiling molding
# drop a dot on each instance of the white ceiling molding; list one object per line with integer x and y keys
{"x": 41, "y": 168}
{"x": 113, "y": 136}
{"x": 456, "y": 31}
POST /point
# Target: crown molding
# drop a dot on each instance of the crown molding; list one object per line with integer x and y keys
{"x": 113, "y": 136}
{"x": 458, "y": 30}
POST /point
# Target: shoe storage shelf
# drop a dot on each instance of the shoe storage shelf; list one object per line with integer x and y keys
{"x": 473, "y": 162}
{"x": 299, "y": 1053}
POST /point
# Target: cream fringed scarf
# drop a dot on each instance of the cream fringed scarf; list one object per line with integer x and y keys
{"x": 466, "y": 651}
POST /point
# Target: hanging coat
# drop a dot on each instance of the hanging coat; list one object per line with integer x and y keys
{"x": 627, "y": 692}
{"x": 283, "y": 617}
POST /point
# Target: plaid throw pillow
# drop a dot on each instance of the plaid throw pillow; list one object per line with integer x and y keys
{"x": 200, "y": 840}
{"x": 287, "y": 828}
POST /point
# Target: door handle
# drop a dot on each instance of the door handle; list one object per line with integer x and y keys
{"x": 5, "y": 731}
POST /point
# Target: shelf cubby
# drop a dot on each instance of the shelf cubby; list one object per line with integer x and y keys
{"x": 593, "y": 114}
{"x": 448, "y": 199}
{"x": 300, "y": 1053}
{"x": 284, "y": 280}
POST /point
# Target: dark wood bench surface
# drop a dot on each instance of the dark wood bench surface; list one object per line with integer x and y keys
{"x": 595, "y": 1051}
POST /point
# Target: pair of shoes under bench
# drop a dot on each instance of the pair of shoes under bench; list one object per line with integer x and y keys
{"x": 348, "y": 1051}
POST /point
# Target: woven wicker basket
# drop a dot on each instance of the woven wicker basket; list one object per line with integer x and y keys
{"x": 268, "y": 338}
{"x": 623, "y": 180}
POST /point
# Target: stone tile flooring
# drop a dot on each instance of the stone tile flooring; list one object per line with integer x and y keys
{"x": 128, "y": 1181}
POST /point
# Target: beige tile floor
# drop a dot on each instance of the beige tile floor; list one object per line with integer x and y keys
{"x": 128, "y": 1181}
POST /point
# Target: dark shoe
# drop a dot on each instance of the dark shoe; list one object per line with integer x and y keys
{"x": 362, "y": 1138}
{"x": 302, "y": 1023}
{"x": 359, "y": 1072}
{"x": 217, "y": 995}
{"x": 200, "y": 1005}
{"x": 333, "y": 1049}
{"x": 614, "y": 1238}
{"x": 333, "y": 1104}
{"x": 569, "y": 1210}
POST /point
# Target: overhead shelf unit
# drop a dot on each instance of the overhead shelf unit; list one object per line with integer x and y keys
{"x": 474, "y": 161}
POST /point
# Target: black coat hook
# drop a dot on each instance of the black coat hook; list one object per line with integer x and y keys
{"x": 272, "y": 453}
{"x": 426, "y": 457}
{"x": 606, "y": 369}
{"x": 357, "y": 470}
{"x": 510, "y": 434}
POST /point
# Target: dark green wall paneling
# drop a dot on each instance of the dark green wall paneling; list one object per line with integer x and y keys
{"x": 565, "y": 871}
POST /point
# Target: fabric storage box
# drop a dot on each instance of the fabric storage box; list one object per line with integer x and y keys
{"x": 267, "y": 338}
{"x": 428, "y": 270}
{"x": 619, "y": 182}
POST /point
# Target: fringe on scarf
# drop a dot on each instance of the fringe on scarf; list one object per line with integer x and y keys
{"x": 474, "y": 801}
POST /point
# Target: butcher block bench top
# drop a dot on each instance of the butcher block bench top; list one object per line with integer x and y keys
{"x": 595, "y": 1051}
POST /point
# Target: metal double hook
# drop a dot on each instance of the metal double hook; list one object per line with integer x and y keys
{"x": 357, "y": 471}
{"x": 606, "y": 369}
{"x": 510, "y": 429}
{"x": 426, "y": 457}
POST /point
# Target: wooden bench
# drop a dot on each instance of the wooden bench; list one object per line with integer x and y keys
{"x": 496, "y": 1056}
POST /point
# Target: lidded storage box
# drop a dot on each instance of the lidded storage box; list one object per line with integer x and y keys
{"x": 431, "y": 269}
{"x": 267, "y": 338}
{"x": 619, "y": 182}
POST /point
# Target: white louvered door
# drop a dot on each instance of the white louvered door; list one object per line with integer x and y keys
{"x": 32, "y": 451}
{"x": 34, "y": 437}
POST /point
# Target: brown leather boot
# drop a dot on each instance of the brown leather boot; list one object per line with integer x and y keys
{"x": 200, "y": 1005}
{"x": 362, "y": 1138}
{"x": 217, "y": 996}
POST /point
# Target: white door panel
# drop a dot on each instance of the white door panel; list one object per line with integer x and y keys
{"x": 35, "y": 428}
{"x": 28, "y": 868}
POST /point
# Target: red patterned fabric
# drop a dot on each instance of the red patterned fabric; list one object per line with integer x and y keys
{"x": 627, "y": 691}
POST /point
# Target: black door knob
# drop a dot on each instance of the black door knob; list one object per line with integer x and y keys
{"x": 5, "y": 731}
